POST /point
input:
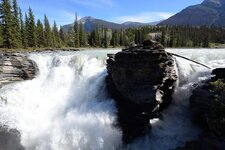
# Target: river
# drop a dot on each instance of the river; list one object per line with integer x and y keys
{"x": 66, "y": 107}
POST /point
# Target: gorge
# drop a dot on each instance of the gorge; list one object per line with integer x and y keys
{"x": 67, "y": 106}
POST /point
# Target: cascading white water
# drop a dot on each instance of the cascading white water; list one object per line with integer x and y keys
{"x": 66, "y": 106}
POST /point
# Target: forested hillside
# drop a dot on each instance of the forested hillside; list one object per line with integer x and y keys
{"x": 23, "y": 31}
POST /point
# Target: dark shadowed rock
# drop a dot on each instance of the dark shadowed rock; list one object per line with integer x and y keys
{"x": 10, "y": 139}
{"x": 141, "y": 80}
{"x": 16, "y": 67}
{"x": 219, "y": 73}
{"x": 205, "y": 106}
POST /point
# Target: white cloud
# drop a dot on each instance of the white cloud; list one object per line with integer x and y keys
{"x": 65, "y": 17}
{"x": 95, "y": 3}
{"x": 145, "y": 17}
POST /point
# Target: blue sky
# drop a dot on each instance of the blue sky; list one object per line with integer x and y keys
{"x": 63, "y": 11}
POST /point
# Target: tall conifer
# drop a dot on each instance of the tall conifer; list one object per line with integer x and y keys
{"x": 48, "y": 35}
{"x": 40, "y": 34}
{"x": 76, "y": 32}
{"x": 7, "y": 24}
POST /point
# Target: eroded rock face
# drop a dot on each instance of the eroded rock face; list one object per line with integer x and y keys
{"x": 16, "y": 67}
{"x": 141, "y": 80}
{"x": 205, "y": 106}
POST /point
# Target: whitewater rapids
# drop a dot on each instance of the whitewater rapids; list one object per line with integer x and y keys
{"x": 66, "y": 107}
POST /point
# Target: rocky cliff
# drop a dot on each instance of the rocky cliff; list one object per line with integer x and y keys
{"x": 208, "y": 105}
{"x": 141, "y": 80}
{"x": 16, "y": 67}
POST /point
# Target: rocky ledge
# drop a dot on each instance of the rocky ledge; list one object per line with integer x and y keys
{"x": 141, "y": 81}
{"x": 208, "y": 104}
{"x": 16, "y": 67}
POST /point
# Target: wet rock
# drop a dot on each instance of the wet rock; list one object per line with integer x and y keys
{"x": 205, "y": 114}
{"x": 10, "y": 139}
{"x": 219, "y": 73}
{"x": 141, "y": 80}
{"x": 16, "y": 67}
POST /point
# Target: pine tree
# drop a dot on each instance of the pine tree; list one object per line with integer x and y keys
{"x": 32, "y": 40}
{"x": 47, "y": 30}
{"x": 113, "y": 40}
{"x": 26, "y": 31}
{"x": 172, "y": 39}
{"x": 40, "y": 34}
{"x": 56, "y": 39}
{"x": 70, "y": 38}
{"x": 92, "y": 39}
{"x": 163, "y": 38}
{"x": 7, "y": 24}
{"x": 105, "y": 38}
{"x": 206, "y": 41}
{"x": 81, "y": 35}
{"x": 121, "y": 40}
{"x": 22, "y": 30}
{"x": 16, "y": 26}
{"x": 62, "y": 36}
{"x": 76, "y": 32}
{"x": 97, "y": 38}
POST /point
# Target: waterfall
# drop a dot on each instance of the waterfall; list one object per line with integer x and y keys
{"x": 67, "y": 107}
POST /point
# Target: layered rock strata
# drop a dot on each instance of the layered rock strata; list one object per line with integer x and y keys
{"x": 16, "y": 67}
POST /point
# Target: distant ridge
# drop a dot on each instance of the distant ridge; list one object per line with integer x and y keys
{"x": 91, "y": 23}
{"x": 209, "y": 13}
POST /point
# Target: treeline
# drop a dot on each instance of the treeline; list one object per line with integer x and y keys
{"x": 169, "y": 36}
{"x": 22, "y": 31}
{"x": 18, "y": 30}
{"x": 188, "y": 36}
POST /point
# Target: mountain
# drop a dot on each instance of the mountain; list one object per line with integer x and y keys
{"x": 209, "y": 12}
{"x": 91, "y": 23}
{"x": 138, "y": 24}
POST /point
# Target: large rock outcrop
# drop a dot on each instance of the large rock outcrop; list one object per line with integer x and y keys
{"x": 16, "y": 67}
{"x": 209, "y": 114}
{"x": 141, "y": 80}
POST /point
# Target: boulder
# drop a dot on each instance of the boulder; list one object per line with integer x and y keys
{"x": 16, "y": 67}
{"x": 141, "y": 80}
